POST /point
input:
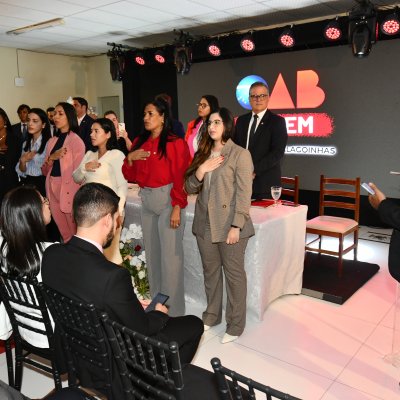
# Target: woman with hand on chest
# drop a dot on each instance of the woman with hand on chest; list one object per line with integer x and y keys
{"x": 34, "y": 150}
{"x": 157, "y": 163}
{"x": 104, "y": 165}
{"x": 221, "y": 175}
{"x": 63, "y": 155}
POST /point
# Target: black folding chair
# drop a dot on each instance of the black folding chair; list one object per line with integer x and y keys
{"x": 231, "y": 390}
{"x": 27, "y": 311}
{"x": 148, "y": 367}
{"x": 84, "y": 342}
{"x": 9, "y": 358}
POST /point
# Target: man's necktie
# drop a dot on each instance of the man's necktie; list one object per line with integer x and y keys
{"x": 24, "y": 132}
{"x": 253, "y": 126}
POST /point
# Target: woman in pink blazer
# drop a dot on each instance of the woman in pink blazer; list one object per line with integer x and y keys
{"x": 63, "y": 155}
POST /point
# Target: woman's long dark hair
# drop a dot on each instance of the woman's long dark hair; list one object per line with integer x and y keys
{"x": 206, "y": 144}
{"x": 6, "y": 122}
{"x": 108, "y": 126}
{"x": 166, "y": 134}
{"x": 46, "y": 134}
{"x": 212, "y": 102}
{"x": 23, "y": 229}
{"x": 71, "y": 116}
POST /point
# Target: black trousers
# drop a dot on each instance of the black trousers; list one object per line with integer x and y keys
{"x": 186, "y": 331}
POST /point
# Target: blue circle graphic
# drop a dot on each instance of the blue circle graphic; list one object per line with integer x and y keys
{"x": 242, "y": 89}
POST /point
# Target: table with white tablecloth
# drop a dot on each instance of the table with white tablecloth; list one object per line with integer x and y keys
{"x": 274, "y": 256}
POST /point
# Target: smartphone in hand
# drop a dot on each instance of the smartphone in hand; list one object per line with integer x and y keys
{"x": 368, "y": 188}
{"x": 159, "y": 298}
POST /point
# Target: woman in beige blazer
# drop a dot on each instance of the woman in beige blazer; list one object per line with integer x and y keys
{"x": 221, "y": 175}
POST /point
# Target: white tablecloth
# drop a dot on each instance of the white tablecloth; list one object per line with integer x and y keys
{"x": 274, "y": 256}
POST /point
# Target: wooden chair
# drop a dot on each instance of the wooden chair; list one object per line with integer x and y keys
{"x": 342, "y": 194}
{"x": 231, "y": 390}
{"x": 84, "y": 341}
{"x": 27, "y": 311}
{"x": 290, "y": 188}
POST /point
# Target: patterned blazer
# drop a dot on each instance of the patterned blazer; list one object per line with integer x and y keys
{"x": 228, "y": 197}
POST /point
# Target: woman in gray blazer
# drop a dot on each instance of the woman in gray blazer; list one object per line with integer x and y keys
{"x": 221, "y": 175}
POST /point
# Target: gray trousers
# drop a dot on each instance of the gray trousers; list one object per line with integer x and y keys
{"x": 229, "y": 258}
{"x": 164, "y": 247}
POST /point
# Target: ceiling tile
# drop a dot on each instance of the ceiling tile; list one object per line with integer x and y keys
{"x": 140, "y": 12}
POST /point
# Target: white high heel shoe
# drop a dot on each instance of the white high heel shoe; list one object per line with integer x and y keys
{"x": 228, "y": 338}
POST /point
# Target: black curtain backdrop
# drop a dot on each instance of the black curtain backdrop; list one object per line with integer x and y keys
{"x": 140, "y": 85}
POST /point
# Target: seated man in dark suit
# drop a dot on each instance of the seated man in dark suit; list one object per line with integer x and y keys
{"x": 79, "y": 270}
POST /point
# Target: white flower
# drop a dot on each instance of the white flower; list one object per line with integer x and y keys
{"x": 134, "y": 261}
{"x": 121, "y": 245}
{"x": 141, "y": 275}
{"x": 135, "y": 231}
{"x": 142, "y": 256}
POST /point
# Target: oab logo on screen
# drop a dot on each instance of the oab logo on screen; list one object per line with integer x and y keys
{"x": 308, "y": 96}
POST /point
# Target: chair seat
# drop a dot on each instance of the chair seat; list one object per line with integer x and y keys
{"x": 332, "y": 224}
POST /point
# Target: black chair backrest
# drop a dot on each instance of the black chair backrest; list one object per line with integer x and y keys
{"x": 31, "y": 325}
{"x": 233, "y": 390}
{"x": 25, "y": 306}
{"x": 84, "y": 340}
{"x": 148, "y": 368}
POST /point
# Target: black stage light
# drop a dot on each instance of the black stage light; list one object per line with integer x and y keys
{"x": 362, "y": 28}
{"x": 332, "y": 31}
{"x": 183, "y": 52}
{"x": 159, "y": 56}
{"x": 247, "y": 43}
{"x": 286, "y": 38}
{"x": 139, "y": 59}
{"x": 214, "y": 48}
{"x": 391, "y": 25}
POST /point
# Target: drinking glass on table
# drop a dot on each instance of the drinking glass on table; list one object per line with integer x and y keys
{"x": 276, "y": 194}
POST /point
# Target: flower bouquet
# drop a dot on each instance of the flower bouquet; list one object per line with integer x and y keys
{"x": 134, "y": 259}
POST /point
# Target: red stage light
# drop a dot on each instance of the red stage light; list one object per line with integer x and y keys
{"x": 332, "y": 31}
{"x": 391, "y": 25}
{"x": 159, "y": 57}
{"x": 139, "y": 59}
{"x": 214, "y": 49}
{"x": 247, "y": 44}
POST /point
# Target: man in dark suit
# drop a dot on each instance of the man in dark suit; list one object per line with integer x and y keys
{"x": 79, "y": 270}
{"x": 264, "y": 134}
{"x": 20, "y": 130}
{"x": 84, "y": 121}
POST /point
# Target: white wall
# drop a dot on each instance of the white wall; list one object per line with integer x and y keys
{"x": 50, "y": 78}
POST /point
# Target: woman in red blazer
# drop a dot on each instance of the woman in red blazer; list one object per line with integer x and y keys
{"x": 63, "y": 155}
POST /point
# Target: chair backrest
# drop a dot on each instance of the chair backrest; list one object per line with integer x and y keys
{"x": 26, "y": 308}
{"x": 148, "y": 368}
{"x": 340, "y": 193}
{"x": 85, "y": 344}
{"x": 233, "y": 391}
{"x": 290, "y": 188}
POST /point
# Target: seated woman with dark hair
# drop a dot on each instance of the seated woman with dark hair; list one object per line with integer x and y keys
{"x": 23, "y": 219}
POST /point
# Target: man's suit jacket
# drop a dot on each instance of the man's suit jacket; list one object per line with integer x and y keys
{"x": 17, "y": 131}
{"x": 389, "y": 212}
{"x": 79, "y": 270}
{"x": 84, "y": 131}
{"x": 227, "y": 202}
{"x": 267, "y": 148}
